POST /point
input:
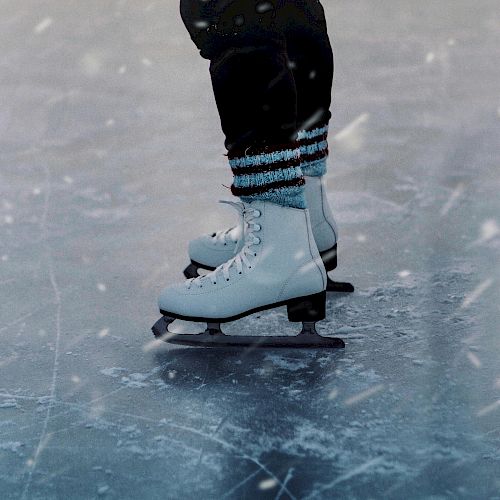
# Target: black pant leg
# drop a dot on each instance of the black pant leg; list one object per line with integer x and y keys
{"x": 252, "y": 82}
{"x": 311, "y": 60}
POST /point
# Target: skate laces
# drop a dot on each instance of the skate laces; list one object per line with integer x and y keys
{"x": 223, "y": 236}
{"x": 248, "y": 216}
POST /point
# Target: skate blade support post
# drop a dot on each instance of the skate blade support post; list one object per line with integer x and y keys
{"x": 329, "y": 258}
{"x": 214, "y": 337}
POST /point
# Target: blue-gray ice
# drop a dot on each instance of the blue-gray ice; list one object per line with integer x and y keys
{"x": 111, "y": 159}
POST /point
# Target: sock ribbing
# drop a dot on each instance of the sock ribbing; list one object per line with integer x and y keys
{"x": 313, "y": 145}
{"x": 271, "y": 175}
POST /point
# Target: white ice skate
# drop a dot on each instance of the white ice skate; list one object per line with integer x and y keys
{"x": 278, "y": 264}
{"x": 212, "y": 250}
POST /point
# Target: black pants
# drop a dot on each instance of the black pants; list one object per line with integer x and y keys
{"x": 271, "y": 66}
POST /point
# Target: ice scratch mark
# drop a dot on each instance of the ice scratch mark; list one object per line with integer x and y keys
{"x": 20, "y": 319}
{"x": 55, "y": 367}
{"x": 224, "y": 444}
{"x": 476, "y": 293}
{"x": 357, "y": 398}
{"x": 455, "y": 195}
{"x": 15, "y": 396}
{"x": 344, "y": 477}
{"x": 43, "y": 25}
{"x": 217, "y": 429}
{"x": 488, "y": 409}
{"x": 289, "y": 476}
{"x": 240, "y": 484}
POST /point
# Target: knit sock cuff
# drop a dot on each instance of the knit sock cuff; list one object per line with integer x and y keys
{"x": 313, "y": 146}
{"x": 273, "y": 174}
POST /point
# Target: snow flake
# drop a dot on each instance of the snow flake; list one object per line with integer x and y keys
{"x": 430, "y": 57}
{"x": 357, "y": 398}
{"x": 474, "y": 359}
{"x": 268, "y": 484}
{"x": 103, "y": 333}
{"x": 43, "y": 25}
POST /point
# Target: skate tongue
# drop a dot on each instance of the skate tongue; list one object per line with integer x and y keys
{"x": 240, "y": 207}
{"x": 237, "y": 205}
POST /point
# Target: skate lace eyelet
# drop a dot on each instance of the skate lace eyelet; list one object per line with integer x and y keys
{"x": 227, "y": 279}
{"x": 257, "y": 213}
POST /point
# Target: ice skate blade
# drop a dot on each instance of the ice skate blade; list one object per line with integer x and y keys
{"x": 303, "y": 340}
{"x": 339, "y": 286}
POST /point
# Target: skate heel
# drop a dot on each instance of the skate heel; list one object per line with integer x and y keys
{"x": 329, "y": 258}
{"x": 307, "y": 309}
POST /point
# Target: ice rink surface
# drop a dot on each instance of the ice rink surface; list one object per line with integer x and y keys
{"x": 111, "y": 159}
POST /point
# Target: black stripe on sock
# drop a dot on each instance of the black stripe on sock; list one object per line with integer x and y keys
{"x": 319, "y": 155}
{"x": 261, "y": 150}
{"x": 313, "y": 140}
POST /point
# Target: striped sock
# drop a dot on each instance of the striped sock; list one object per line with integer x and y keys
{"x": 273, "y": 174}
{"x": 313, "y": 146}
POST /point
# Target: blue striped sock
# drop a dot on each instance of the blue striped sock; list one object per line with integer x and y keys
{"x": 313, "y": 146}
{"x": 271, "y": 175}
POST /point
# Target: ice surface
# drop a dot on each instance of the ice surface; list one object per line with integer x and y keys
{"x": 111, "y": 159}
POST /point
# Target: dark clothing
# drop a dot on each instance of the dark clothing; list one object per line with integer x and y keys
{"x": 271, "y": 65}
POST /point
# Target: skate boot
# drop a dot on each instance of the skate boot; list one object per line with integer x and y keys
{"x": 211, "y": 250}
{"x": 324, "y": 229}
{"x": 277, "y": 265}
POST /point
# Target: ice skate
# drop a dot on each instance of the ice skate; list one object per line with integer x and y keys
{"x": 211, "y": 250}
{"x": 277, "y": 265}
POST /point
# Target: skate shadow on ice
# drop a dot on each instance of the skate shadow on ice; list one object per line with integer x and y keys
{"x": 188, "y": 367}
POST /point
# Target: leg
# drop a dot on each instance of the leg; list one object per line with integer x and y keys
{"x": 311, "y": 61}
{"x": 255, "y": 93}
